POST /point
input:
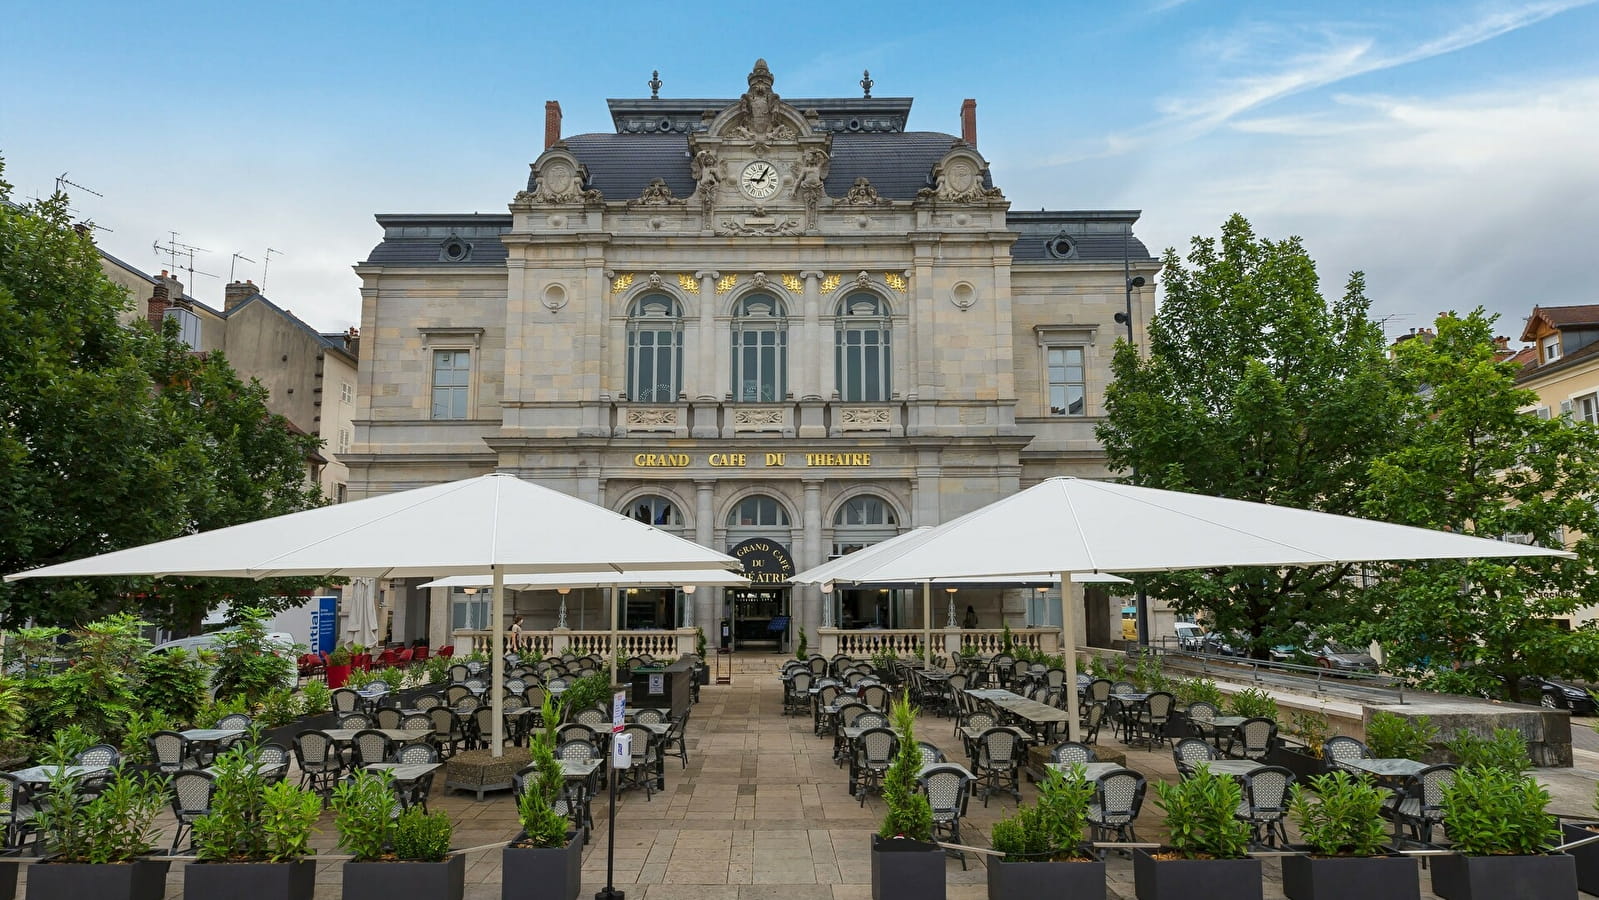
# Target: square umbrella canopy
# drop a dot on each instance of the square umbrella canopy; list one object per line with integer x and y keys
{"x": 491, "y": 525}
{"x": 1069, "y": 525}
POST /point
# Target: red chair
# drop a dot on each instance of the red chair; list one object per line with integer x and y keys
{"x": 402, "y": 658}
{"x": 447, "y": 651}
{"x": 311, "y": 664}
{"x": 419, "y": 653}
{"x": 386, "y": 658}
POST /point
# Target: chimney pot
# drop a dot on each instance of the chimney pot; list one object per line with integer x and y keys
{"x": 969, "y": 121}
{"x": 552, "y": 123}
{"x": 236, "y": 293}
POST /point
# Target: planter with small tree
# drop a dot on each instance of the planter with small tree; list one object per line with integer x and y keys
{"x": 255, "y": 842}
{"x": 1043, "y": 845}
{"x": 549, "y": 852}
{"x": 96, "y": 848}
{"x": 905, "y": 862}
{"x": 395, "y": 857}
{"x": 1206, "y": 858}
{"x": 1500, "y": 828}
{"x": 338, "y": 668}
{"x": 1312, "y": 729}
{"x": 1343, "y": 827}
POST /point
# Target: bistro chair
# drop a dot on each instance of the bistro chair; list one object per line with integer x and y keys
{"x": 346, "y": 700}
{"x": 101, "y": 756}
{"x": 318, "y": 758}
{"x": 455, "y": 693}
{"x": 642, "y": 772}
{"x": 593, "y": 717}
{"x": 947, "y": 789}
{"x": 270, "y": 755}
{"x": 1201, "y": 714}
{"x": 1190, "y": 754}
{"x": 428, "y": 701}
{"x": 1071, "y": 753}
{"x": 170, "y": 752}
{"x": 1118, "y": 797}
{"x": 676, "y": 738}
{"x": 388, "y": 718}
{"x": 981, "y": 718}
{"x": 1256, "y": 737}
{"x": 448, "y": 733}
{"x": 996, "y": 765}
{"x": 649, "y": 716}
{"x": 355, "y": 721}
{"x": 1099, "y": 690}
{"x": 1152, "y": 717}
{"x": 931, "y": 755}
{"x": 874, "y": 753}
{"x": 1265, "y": 804}
{"x": 1094, "y": 717}
{"x": 1419, "y": 805}
{"x": 191, "y": 799}
{"x": 871, "y": 719}
{"x": 458, "y": 672}
{"x": 875, "y": 696}
{"x": 369, "y": 746}
{"x": 1340, "y": 749}
{"x": 17, "y": 811}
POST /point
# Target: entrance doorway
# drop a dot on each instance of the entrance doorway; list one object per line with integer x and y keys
{"x": 760, "y": 616}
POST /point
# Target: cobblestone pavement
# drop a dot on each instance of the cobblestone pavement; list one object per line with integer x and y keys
{"x": 761, "y": 811}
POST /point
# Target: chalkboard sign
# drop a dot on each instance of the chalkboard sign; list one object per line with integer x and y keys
{"x": 778, "y": 624}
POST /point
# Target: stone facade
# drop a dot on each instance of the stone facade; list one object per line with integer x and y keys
{"x": 722, "y": 230}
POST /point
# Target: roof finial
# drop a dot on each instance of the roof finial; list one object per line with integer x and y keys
{"x": 866, "y": 83}
{"x": 655, "y": 85}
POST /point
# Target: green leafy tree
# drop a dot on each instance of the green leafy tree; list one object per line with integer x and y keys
{"x": 1474, "y": 463}
{"x": 1256, "y": 388}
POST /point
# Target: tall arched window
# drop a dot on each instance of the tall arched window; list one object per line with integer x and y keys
{"x": 760, "y": 350}
{"x": 863, "y": 364}
{"x": 654, "y": 350}
{"x": 758, "y": 511}
{"x": 653, "y": 509}
{"x": 860, "y": 522}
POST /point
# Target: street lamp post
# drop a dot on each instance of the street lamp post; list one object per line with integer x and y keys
{"x": 1130, "y": 281}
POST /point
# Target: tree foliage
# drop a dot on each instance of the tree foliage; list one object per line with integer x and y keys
{"x": 1257, "y": 388}
{"x": 1474, "y": 463}
{"x": 115, "y": 435}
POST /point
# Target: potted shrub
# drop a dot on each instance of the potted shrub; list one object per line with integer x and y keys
{"x": 1043, "y": 845}
{"x": 1206, "y": 858}
{"x": 548, "y": 852}
{"x": 1313, "y": 730}
{"x": 1391, "y": 737}
{"x": 905, "y": 862}
{"x": 1343, "y": 829}
{"x": 254, "y": 843}
{"x": 96, "y": 847}
{"x": 338, "y": 668}
{"x": 404, "y": 856}
{"x": 1499, "y": 827}
{"x": 1587, "y": 856}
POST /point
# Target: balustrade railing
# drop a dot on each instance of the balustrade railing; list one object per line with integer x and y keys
{"x": 665, "y": 643}
{"x": 946, "y": 641}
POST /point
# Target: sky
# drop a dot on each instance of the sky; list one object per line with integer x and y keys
{"x": 1450, "y": 151}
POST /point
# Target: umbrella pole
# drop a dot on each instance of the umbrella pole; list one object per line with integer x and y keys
{"x": 1068, "y": 646}
{"x": 613, "y": 636}
{"x": 927, "y": 619}
{"x": 497, "y": 666}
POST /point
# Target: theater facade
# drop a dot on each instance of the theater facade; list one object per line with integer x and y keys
{"x": 784, "y": 328}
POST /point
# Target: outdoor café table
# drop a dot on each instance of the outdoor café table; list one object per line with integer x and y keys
{"x": 41, "y": 775}
{"x": 1233, "y": 767}
{"x": 346, "y": 735}
{"x": 1038, "y": 715}
{"x": 1092, "y": 771}
{"x": 1219, "y": 725}
{"x": 211, "y": 740}
{"x": 405, "y": 775}
{"x": 1388, "y": 772}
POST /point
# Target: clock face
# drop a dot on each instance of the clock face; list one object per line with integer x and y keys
{"x": 759, "y": 180}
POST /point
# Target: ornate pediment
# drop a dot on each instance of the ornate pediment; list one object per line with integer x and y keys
{"x": 958, "y": 178}
{"x": 760, "y": 118}
{"x": 558, "y": 179}
{"x": 656, "y": 193}
{"x": 861, "y": 193}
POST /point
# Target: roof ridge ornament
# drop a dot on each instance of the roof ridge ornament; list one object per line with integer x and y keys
{"x": 655, "y": 84}
{"x": 866, "y": 83}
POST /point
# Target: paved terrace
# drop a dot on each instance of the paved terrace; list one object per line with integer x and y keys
{"x": 762, "y": 812}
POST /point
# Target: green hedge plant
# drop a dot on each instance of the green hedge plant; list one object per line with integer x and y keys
{"x": 1506, "y": 750}
{"x": 117, "y": 826}
{"x": 1052, "y": 828}
{"x": 1339, "y": 815}
{"x": 1253, "y": 703}
{"x": 1492, "y": 812}
{"x": 252, "y": 821}
{"x": 1391, "y": 737}
{"x": 1200, "y": 816}
{"x": 422, "y": 836}
{"x": 363, "y": 812}
{"x": 542, "y": 825}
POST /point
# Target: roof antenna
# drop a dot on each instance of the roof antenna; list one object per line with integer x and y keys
{"x": 866, "y": 83}
{"x": 655, "y": 84}
{"x": 267, "y": 261}
{"x": 62, "y": 179}
{"x": 175, "y": 249}
{"x": 234, "y": 262}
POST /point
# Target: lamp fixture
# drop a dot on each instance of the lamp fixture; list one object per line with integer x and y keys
{"x": 827, "y": 587}
{"x": 470, "y": 590}
{"x": 689, "y": 589}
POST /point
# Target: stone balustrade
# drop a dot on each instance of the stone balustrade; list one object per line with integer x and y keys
{"x": 946, "y": 641}
{"x": 667, "y": 643}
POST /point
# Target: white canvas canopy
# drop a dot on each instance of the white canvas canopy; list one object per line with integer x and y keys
{"x": 1071, "y": 525}
{"x": 495, "y": 525}
{"x": 361, "y": 615}
{"x": 552, "y": 581}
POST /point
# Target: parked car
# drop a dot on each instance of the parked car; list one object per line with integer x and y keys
{"x": 1556, "y": 694}
{"x": 1189, "y": 635}
{"x": 1342, "y": 658}
{"x": 1224, "y": 644}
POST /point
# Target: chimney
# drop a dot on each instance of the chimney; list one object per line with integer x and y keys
{"x": 352, "y": 341}
{"x": 969, "y": 121}
{"x": 237, "y": 292}
{"x": 552, "y": 123}
{"x": 166, "y": 292}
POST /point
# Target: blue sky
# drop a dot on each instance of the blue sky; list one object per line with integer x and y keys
{"x": 1447, "y": 149}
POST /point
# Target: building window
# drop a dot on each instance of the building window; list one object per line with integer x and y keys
{"x": 1551, "y": 348}
{"x": 865, "y": 511}
{"x": 1066, "y": 386}
{"x": 1586, "y": 409}
{"x": 758, "y": 511}
{"x": 344, "y": 441}
{"x": 347, "y": 392}
{"x": 341, "y": 492}
{"x": 760, "y": 350}
{"x": 470, "y": 612}
{"x": 656, "y": 510}
{"x": 863, "y": 366}
{"x": 188, "y": 325}
{"x": 654, "y": 350}
{"x": 452, "y": 373}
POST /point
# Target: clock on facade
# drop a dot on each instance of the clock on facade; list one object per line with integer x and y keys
{"x": 759, "y": 180}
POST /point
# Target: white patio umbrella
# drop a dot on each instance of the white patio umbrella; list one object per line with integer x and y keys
{"x": 1070, "y": 525}
{"x": 496, "y": 525}
{"x": 361, "y": 617}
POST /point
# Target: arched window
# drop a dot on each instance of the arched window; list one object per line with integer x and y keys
{"x": 654, "y": 350}
{"x": 760, "y": 350}
{"x": 758, "y": 511}
{"x": 653, "y": 509}
{"x": 865, "y": 510}
{"x": 863, "y": 364}
{"x": 860, "y": 522}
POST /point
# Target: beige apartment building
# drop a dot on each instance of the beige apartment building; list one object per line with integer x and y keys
{"x": 784, "y": 328}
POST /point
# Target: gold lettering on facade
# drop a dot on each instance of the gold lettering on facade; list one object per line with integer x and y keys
{"x": 727, "y": 460}
{"x": 689, "y": 284}
{"x": 662, "y": 460}
{"x": 742, "y": 460}
{"x": 775, "y": 459}
{"x": 838, "y": 459}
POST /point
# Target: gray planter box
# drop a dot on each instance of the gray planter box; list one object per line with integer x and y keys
{"x": 1083, "y": 880}
{"x": 1550, "y": 877}
{"x": 139, "y": 880}
{"x": 555, "y": 873}
{"x": 907, "y": 870}
{"x": 1587, "y": 856}
{"x": 1195, "y": 879}
{"x": 1351, "y": 878}
{"x": 406, "y": 880}
{"x": 250, "y": 881}
{"x": 8, "y": 880}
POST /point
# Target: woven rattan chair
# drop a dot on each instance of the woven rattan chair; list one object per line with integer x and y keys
{"x": 170, "y": 752}
{"x": 1339, "y": 750}
{"x": 1190, "y": 754}
{"x": 369, "y": 746}
{"x": 874, "y": 752}
{"x": 997, "y": 763}
{"x": 191, "y": 799}
{"x": 1071, "y": 753}
{"x": 318, "y": 759}
{"x": 947, "y": 789}
{"x": 1265, "y": 805}
{"x": 1118, "y": 797}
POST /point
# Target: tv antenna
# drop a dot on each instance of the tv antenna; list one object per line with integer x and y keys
{"x": 62, "y": 180}
{"x": 267, "y": 261}
{"x": 175, "y": 249}
{"x": 235, "y": 261}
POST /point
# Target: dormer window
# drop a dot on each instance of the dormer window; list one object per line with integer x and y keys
{"x": 455, "y": 250}
{"x": 1551, "y": 348}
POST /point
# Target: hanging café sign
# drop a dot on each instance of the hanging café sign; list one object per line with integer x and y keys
{"x": 765, "y": 561}
{"x": 746, "y": 460}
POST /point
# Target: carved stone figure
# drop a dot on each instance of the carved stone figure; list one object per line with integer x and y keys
{"x": 559, "y": 182}
{"x": 656, "y": 193}
{"x": 861, "y": 193}
{"x": 759, "y": 106}
{"x": 809, "y": 174}
{"x": 706, "y": 172}
{"x": 959, "y": 179}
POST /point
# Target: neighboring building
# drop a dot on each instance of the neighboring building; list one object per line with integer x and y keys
{"x": 1564, "y": 361}
{"x": 750, "y": 320}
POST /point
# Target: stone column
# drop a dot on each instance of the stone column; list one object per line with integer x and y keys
{"x": 706, "y": 388}
{"x": 810, "y": 386}
{"x": 439, "y": 618}
{"x": 706, "y": 598}
{"x": 814, "y": 554}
